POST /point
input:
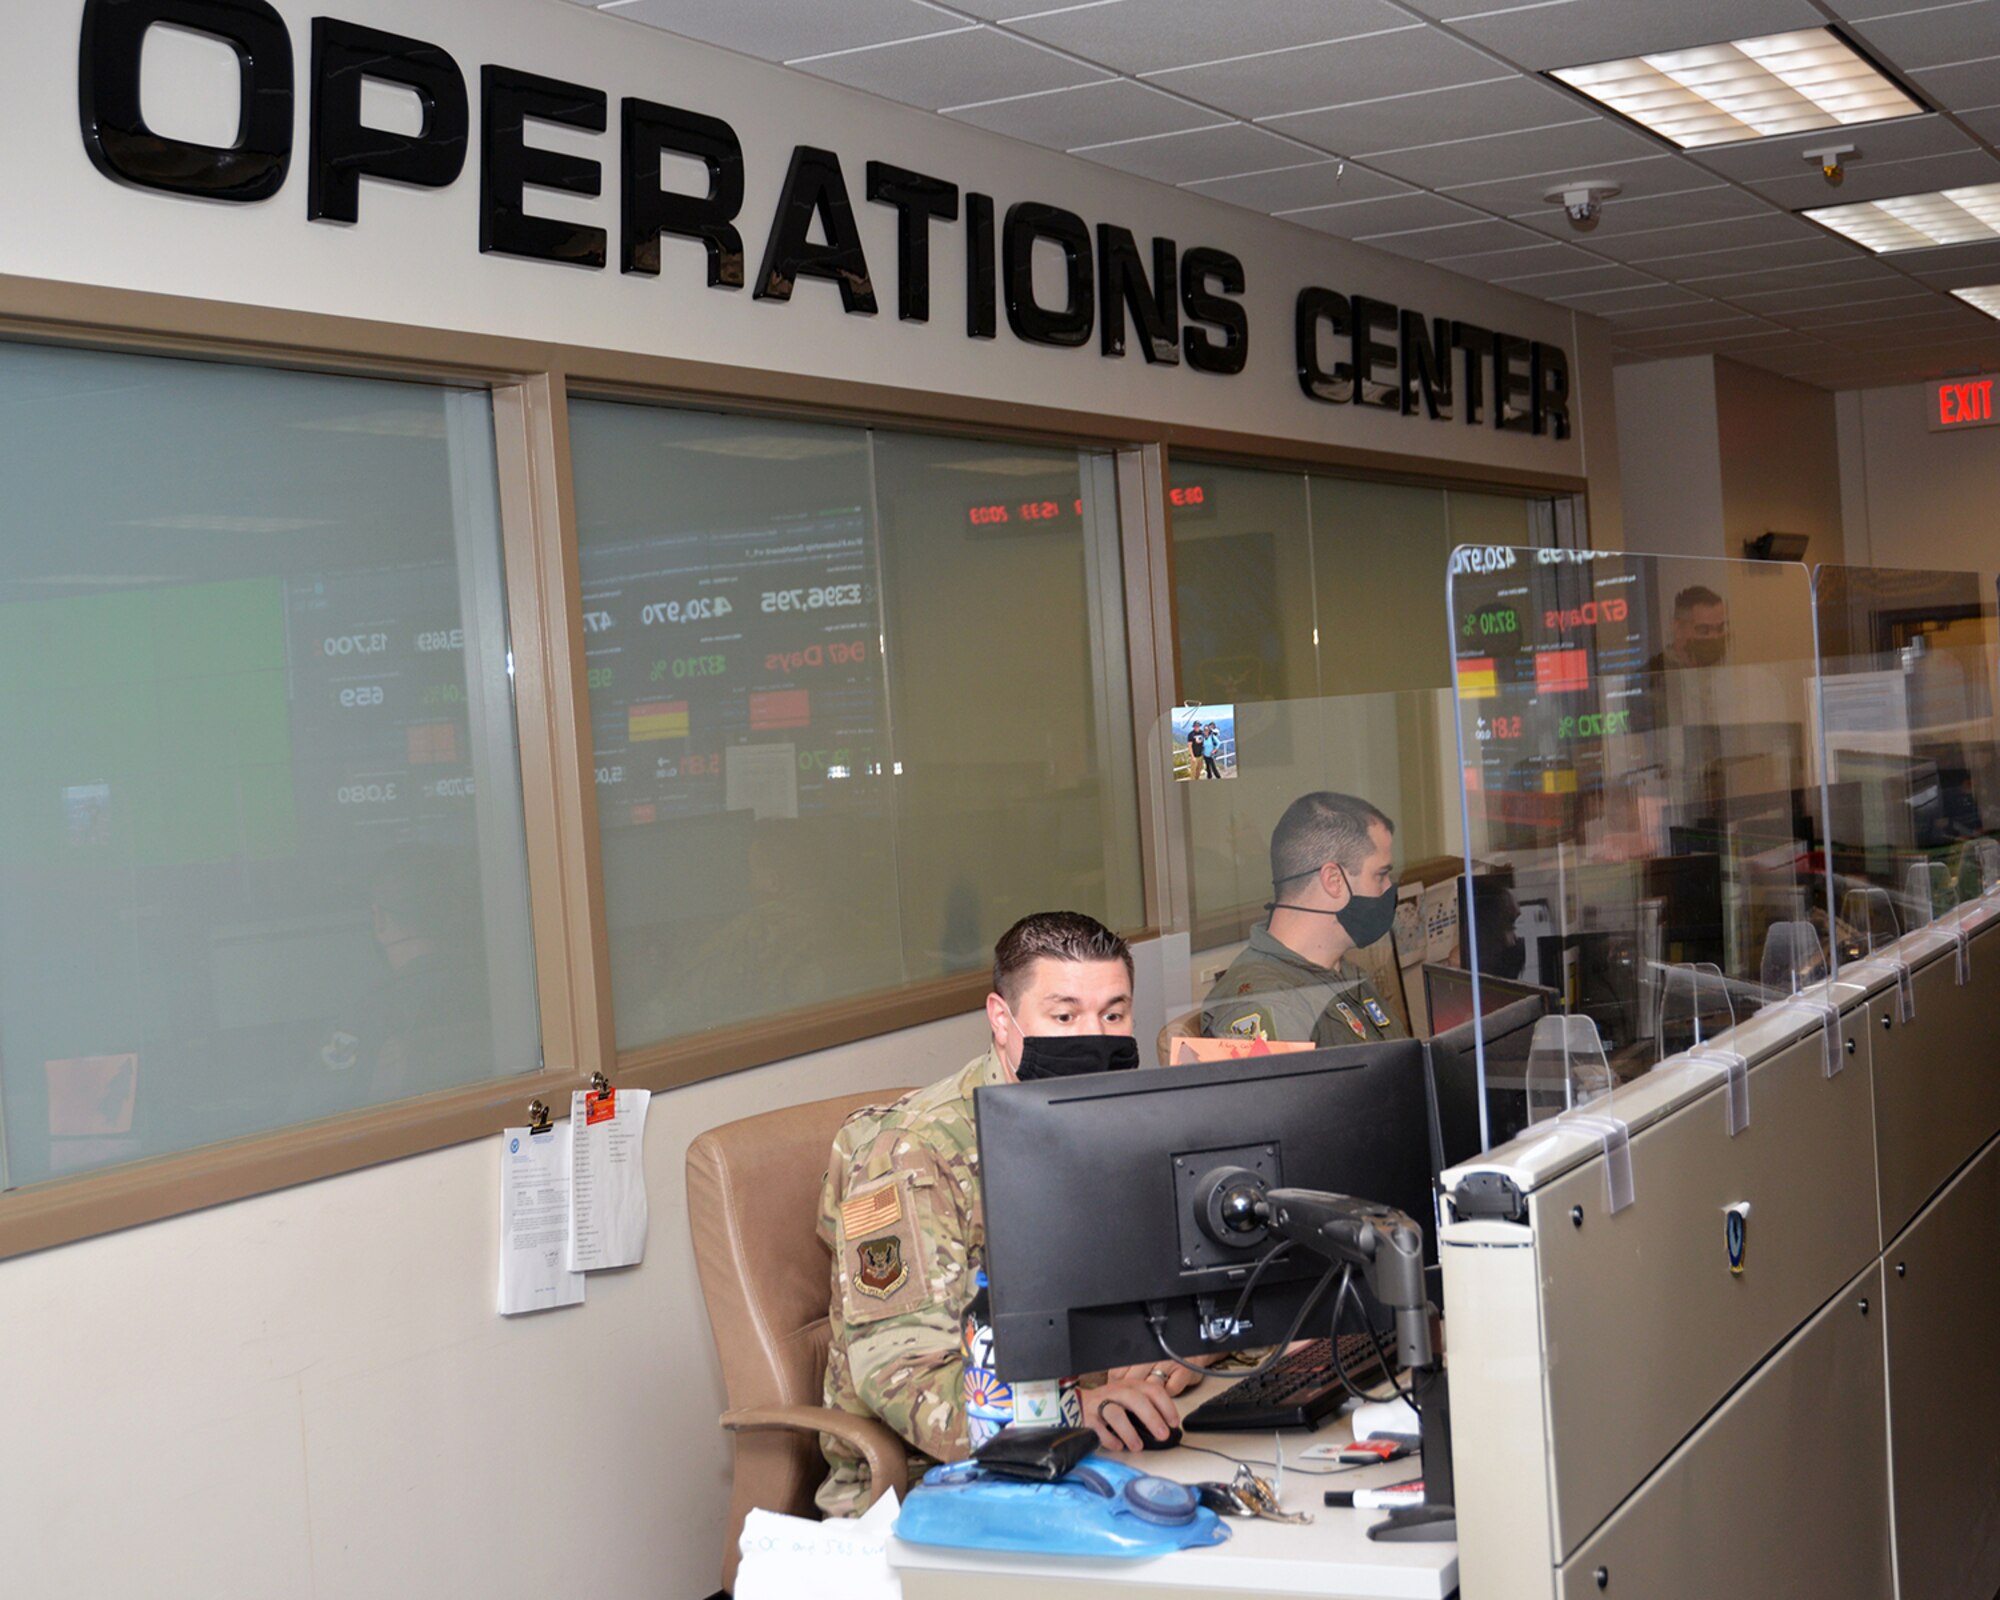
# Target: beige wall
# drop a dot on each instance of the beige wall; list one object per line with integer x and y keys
{"x": 1713, "y": 454}
{"x": 1913, "y": 498}
{"x": 1670, "y": 456}
{"x": 1780, "y": 461}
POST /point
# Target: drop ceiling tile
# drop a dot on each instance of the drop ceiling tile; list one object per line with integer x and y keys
{"x": 1396, "y": 214}
{"x": 1152, "y": 35}
{"x": 1633, "y": 243}
{"x": 1433, "y": 244}
{"x": 1779, "y": 300}
{"x": 1732, "y": 285}
{"x": 1938, "y": 35}
{"x": 1864, "y": 181}
{"x": 1985, "y": 124}
{"x": 1578, "y": 280}
{"x": 1577, "y": 148}
{"x": 1322, "y": 183}
{"x": 1269, "y": 85}
{"x": 1971, "y": 275}
{"x": 1698, "y": 265}
{"x": 1605, "y": 303}
{"x": 1629, "y": 216}
{"x": 1968, "y": 86}
{"x": 1572, "y": 33}
{"x": 954, "y": 69}
{"x": 1855, "y": 314}
{"x": 1517, "y": 260}
{"x": 1093, "y": 113}
{"x": 783, "y": 30}
{"x": 1465, "y": 111}
{"x": 1879, "y": 143}
{"x": 1693, "y": 343}
{"x": 1703, "y": 313}
{"x": 1984, "y": 253}
{"x": 1205, "y": 153}
{"x": 1637, "y": 178}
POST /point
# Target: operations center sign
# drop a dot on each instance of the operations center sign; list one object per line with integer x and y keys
{"x": 1175, "y": 304}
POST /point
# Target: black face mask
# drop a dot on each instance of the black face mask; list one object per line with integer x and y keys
{"x": 1070, "y": 1055}
{"x": 1366, "y": 919}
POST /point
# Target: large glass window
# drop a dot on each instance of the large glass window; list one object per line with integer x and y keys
{"x": 1314, "y": 606}
{"x": 859, "y": 701}
{"x": 261, "y": 848}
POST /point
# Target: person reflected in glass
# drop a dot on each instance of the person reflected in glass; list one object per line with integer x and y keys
{"x": 1700, "y": 631}
{"x": 1333, "y": 874}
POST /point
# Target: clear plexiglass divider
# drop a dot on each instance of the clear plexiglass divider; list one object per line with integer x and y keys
{"x": 1702, "y": 793}
{"x": 1910, "y": 762}
{"x": 1639, "y": 786}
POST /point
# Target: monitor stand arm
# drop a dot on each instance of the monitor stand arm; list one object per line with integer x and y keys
{"x": 1388, "y": 1248}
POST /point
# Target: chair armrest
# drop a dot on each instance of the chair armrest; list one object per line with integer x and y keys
{"x": 881, "y": 1447}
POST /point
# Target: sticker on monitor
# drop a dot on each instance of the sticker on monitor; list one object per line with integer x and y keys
{"x": 1204, "y": 743}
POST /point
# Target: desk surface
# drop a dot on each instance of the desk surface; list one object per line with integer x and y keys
{"x": 1332, "y": 1557}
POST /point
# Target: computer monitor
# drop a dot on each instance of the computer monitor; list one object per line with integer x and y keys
{"x": 1448, "y": 995}
{"x": 1096, "y": 1191}
{"x": 1454, "y": 1070}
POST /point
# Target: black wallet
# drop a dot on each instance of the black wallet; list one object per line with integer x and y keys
{"x": 1040, "y": 1455}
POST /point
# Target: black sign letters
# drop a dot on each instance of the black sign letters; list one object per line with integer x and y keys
{"x": 1177, "y": 306}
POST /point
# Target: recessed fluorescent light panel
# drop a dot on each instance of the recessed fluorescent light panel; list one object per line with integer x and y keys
{"x": 1917, "y": 221}
{"x": 1750, "y": 89}
{"x": 1986, "y": 298}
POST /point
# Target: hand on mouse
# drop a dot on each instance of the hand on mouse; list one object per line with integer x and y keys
{"x": 1121, "y": 1406}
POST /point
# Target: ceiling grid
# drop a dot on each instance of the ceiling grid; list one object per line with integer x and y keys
{"x": 1431, "y": 129}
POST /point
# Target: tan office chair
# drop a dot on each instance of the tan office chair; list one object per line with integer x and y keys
{"x": 1187, "y": 1027}
{"x": 753, "y": 1202}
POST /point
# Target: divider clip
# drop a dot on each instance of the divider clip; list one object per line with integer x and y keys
{"x": 1829, "y": 1031}
{"x": 1616, "y": 1137}
{"x": 1736, "y": 1101}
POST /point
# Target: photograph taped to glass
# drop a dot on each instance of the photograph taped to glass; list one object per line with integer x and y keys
{"x": 1204, "y": 742}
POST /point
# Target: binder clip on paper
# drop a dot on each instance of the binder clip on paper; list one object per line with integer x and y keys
{"x": 1794, "y": 961}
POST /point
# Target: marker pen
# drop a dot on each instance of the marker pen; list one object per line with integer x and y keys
{"x": 1397, "y": 1494}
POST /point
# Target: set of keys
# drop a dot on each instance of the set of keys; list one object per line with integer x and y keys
{"x": 1248, "y": 1495}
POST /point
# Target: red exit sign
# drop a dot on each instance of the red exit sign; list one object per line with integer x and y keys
{"x": 1962, "y": 403}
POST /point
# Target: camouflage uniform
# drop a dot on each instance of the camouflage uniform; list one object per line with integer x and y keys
{"x": 1272, "y": 992}
{"x": 901, "y": 1212}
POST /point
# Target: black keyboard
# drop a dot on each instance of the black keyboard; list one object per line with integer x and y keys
{"x": 1301, "y": 1391}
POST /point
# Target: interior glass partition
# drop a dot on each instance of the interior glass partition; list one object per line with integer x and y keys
{"x": 1643, "y": 812}
{"x": 1905, "y": 689}
{"x": 1236, "y": 770}
{"x": 262, "y": 856}
{"x": 859, "y": 701}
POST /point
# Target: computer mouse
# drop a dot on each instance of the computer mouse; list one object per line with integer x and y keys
{"x": 1146, "y": 1439}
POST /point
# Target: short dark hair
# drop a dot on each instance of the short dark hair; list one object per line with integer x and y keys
{"x": 1695, "y": 594}
{"x": 1323, "y": 827}
{"x": 1059, "y": 935}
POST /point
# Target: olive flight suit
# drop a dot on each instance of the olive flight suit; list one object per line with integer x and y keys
{"x": 1272, "y": 992}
